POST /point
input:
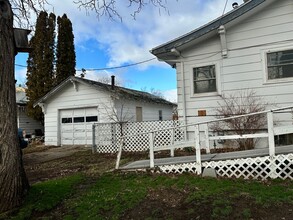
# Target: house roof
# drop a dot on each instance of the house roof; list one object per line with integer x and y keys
{"x": 209, "y": 28}
{"x": 21, "y": 98}
{"x": 118, "y": 91}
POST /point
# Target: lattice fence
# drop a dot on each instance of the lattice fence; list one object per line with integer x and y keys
{"x": 137, "y": 138}
{"x": 280, "y": 166}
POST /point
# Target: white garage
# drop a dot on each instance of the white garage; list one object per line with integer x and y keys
{"x": 76, "y": 125}
{"x": 74, "y": 105}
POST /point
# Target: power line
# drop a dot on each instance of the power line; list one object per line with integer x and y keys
{"x": 20, "y": 65}
{"x": 106, "y": 68}
{"x": 225, "y": 7}
{"x": 118, "y": 67}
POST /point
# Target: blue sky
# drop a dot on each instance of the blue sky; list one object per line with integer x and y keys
{"x": 102, "y": 43}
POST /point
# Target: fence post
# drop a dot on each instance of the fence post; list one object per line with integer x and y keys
{"x": 119, "y": 153}
{"x": 206, "y": 134}
{"x": 152, "y": 157}
{"x": 94, "y": 146}
{"x": 197, "y": 149}
{"x": 172, "y": 141}
{"x": 271, "y": 134}
{"x": 272, "y": 149}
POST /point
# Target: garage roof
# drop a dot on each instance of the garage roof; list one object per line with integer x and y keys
{"x": 120, "y": 91}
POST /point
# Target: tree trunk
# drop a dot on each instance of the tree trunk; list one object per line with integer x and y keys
{"x": 13, "y": 181}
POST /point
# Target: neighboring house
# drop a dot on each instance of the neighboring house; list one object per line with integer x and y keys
{"x": 250, "y": 47}
{"x": 74, "y": 105}
{"x": 25, "y": 122}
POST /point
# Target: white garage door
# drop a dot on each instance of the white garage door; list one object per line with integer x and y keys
{"x": 76, "y": 125}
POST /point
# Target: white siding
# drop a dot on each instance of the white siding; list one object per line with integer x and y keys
{"x": 26, "y": 123}
{"x": 69, "y": 98}
{"x": 69, "y": 101}
{"x": 245, "y": 67}
{"x": 150, "y": 111}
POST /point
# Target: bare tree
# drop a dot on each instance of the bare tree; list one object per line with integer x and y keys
{"x": 241, "y": 103}
{"x": 107, "y": 80}
{"x": 153, "y": 91}
{"x": 13, "y": 181}
{"x": 109, "y": 7}
{"x": 118, "y": 114}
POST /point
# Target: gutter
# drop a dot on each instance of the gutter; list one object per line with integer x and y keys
{"x": 207, "y": 28}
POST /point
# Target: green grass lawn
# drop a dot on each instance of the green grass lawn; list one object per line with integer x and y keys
{"x": 154, "y": 196}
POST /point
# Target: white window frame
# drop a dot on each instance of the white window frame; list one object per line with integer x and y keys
{"x": 218, "y": 80}
{"x": 266, "y": 79}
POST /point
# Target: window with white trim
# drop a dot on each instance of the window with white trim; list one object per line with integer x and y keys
{"x": 280, "y": 64}
{"x": 204, "y": 79}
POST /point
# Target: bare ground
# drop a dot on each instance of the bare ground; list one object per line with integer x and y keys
{"x": 43, "y": 163}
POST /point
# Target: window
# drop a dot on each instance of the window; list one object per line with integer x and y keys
{"x": 78, "y": 119}
{"x": 138, "y": 114}
{"x": 91, "y": 118}
{"x": 280, "y": 64}
{"x": 160, "y": 115}
{"x": 66, "y": 120}
{"x": 204, "y": 79}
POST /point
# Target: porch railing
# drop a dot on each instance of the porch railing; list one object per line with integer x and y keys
{"x": 271, "y": 131}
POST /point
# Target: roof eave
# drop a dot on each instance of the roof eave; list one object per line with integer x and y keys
{"x": 159, "y": 51}
{"x": 53, "y": 91}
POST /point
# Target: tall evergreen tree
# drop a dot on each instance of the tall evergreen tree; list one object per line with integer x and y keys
{"x": 65, "y": 53}
{"x": 13, "y": 181}
{"x": 40, "y": 70}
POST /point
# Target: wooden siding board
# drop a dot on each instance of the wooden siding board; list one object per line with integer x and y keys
{"x": 69, "y": 99}
{"x": 262, "y": 33}
{"x": 84, "y": 97}
{"x": 28, "y": 124}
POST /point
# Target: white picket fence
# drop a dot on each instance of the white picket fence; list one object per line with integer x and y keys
{"x": 270, "y": 166}
{"x": 106, "y": 136}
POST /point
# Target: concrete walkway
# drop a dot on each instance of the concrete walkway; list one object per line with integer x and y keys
{"x": 209, "y": 157}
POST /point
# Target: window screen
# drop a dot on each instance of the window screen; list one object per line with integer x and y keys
{"x": 280, "y": 64}
{"x": 204, "y": 79}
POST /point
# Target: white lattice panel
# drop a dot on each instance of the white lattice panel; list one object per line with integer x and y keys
{"x": 107, "y": 135}
{"x": 178, "y": 168}
{"x": 280, "y": 166}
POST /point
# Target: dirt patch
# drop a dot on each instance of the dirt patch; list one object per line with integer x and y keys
{"x": 41, "y": 153}
{"x": 62, "y": 161}
{"x": 162, "y": 202}
{"x": 172, "y": 204}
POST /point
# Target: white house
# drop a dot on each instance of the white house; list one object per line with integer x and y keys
{"x": 26, "y": 123}
{"x": 250, "y": 47}
{"x": 74, "y": 105}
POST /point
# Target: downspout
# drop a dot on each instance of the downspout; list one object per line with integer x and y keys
{"x": 183, "y": 99}
{"x": 178, "y": 54}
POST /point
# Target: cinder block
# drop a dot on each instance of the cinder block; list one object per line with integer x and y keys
{"x": 209, "y": 172}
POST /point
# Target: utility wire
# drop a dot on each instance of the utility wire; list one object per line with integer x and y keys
{"x": 225, "y": 7}
{"x": 20, "y": 65}
{"x": 106, "y": 68}
{"x": 118, "y": 67}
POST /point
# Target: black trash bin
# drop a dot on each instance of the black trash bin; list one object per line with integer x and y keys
{"x": 22, "y": 142}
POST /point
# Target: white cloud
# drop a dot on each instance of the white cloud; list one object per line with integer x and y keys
{"x": 102, "y": 76}
{"x": 170, "y": 95}
{"x": 20, "y": 75}
{"x": 130, "y": 40}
